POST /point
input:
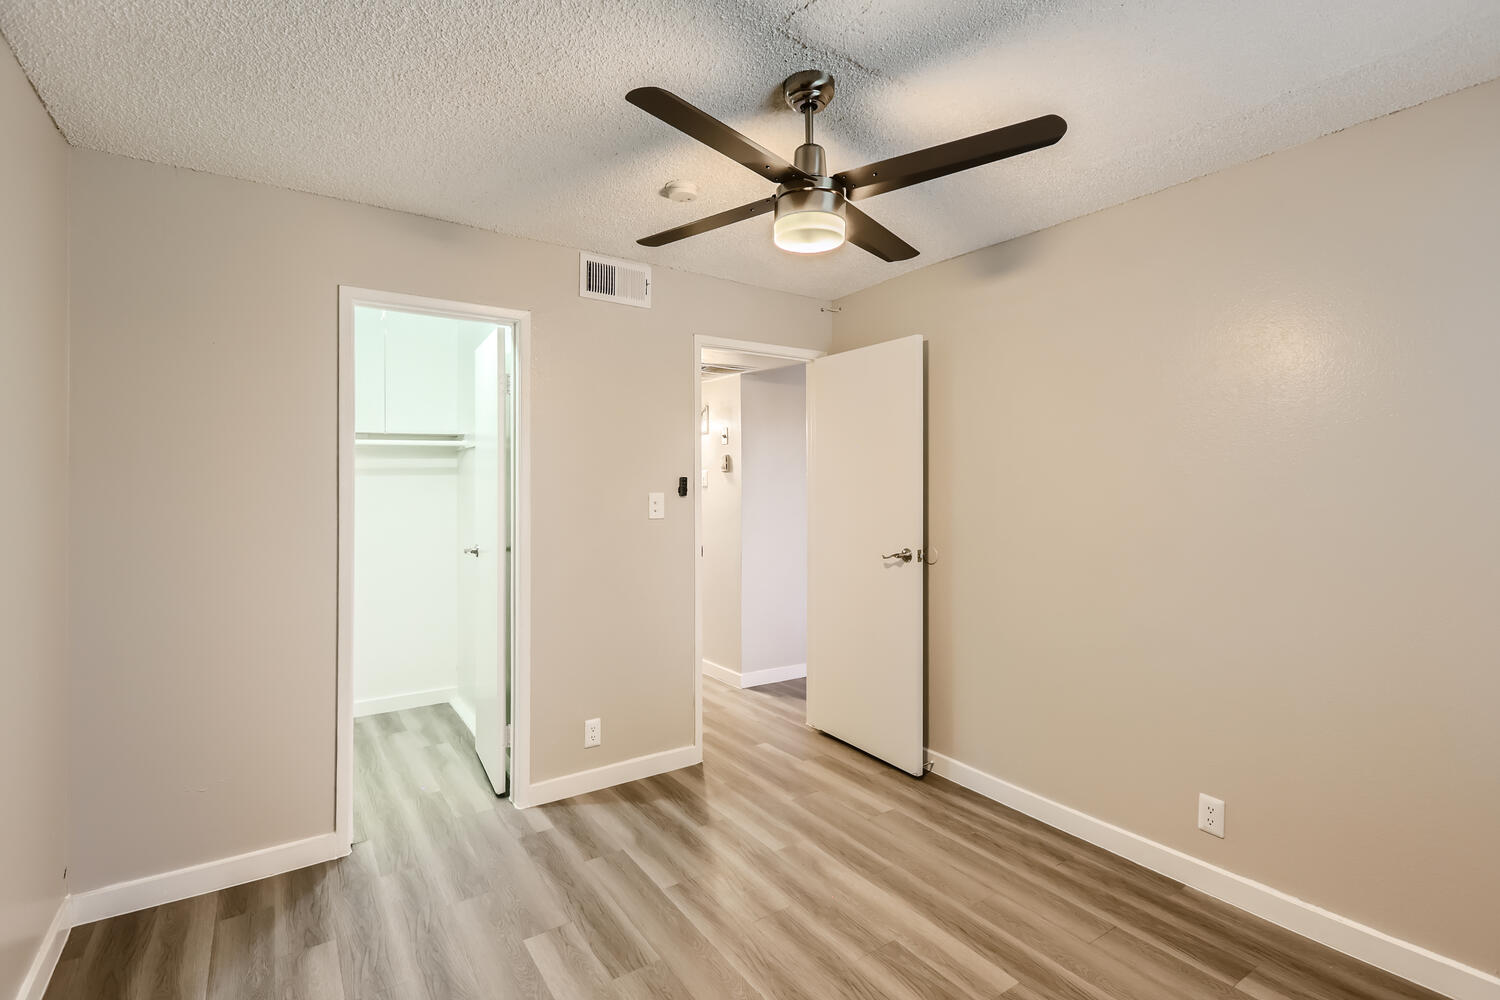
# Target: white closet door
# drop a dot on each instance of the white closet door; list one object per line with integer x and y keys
{"x": 490, "y": 686}
{"x": 865, "y": 580}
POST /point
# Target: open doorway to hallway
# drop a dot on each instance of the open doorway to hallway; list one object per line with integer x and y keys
{"x": 753, "y": 487}
{"x": 811, "y": 555}
{"x": 752, "y": 572}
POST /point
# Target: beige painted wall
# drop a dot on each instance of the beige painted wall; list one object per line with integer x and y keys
{"x": 33, "y": 519}
{"x": 203, "y": 485}
{"x": 1213, "y": 485}
{"x": 721, "y": 524}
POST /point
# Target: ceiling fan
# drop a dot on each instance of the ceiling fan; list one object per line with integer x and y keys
{"x": 812, "y": 210}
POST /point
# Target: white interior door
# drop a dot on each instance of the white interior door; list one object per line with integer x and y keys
{"x": 490, "y": 688}
{"x": 865, "y": 574}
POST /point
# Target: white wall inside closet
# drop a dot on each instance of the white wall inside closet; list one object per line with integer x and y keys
{"x": 413, "y": 511}
{"x": 754, "y": 561}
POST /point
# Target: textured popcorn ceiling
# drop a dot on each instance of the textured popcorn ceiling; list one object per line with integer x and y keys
{"x": 511, "y": 115}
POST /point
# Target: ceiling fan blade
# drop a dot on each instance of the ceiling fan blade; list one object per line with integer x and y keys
{"x": 710, "y": 223}
{"x": 712, "y": 133}
{"x": 951, "y": 157}
{"x": 869, "y": 235}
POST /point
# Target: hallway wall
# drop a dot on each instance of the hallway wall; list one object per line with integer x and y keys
{"x": 721, "y": 525}
{"x": 773, "y": 518}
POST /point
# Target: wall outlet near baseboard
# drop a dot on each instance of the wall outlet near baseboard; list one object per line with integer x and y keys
{"x": 593, "y": 733}
{"x": 1211, "y": 815}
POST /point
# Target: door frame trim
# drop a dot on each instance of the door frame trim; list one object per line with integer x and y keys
{"x": 700, "y": 341}
{"x": 519, "y": 586}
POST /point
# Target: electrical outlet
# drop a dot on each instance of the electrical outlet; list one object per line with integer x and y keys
{"x": 592, "y": 733}
{"x": 1211, "y": 815}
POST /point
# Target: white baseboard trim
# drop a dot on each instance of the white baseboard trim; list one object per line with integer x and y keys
{"x": 401, "y": 702}
{"x": 753, "y": 678}
{"x": 721, "y": 674}
{"x": 464, "y": 711}
{"x": 609, "y": 775}
{"x": 168, "y": 887}
{"x": 771, "y": 675}
{"x": 45, "y": 960}
{"x": 1401, "y": 958}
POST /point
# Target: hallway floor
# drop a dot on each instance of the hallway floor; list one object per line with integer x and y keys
{"x": 787, "y": 865}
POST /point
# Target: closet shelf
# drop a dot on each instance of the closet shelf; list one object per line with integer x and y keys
{"x": 451, "y": 442}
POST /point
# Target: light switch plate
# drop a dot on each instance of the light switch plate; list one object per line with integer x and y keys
{"x": 703, "y": 479}
{"x": 656, "y": 506}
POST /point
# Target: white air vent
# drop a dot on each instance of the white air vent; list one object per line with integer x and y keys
{"x": 614, "y": 280}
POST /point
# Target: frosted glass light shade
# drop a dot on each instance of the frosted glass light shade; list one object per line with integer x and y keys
{"x": 809, "y": 232}
{"x": 809, "y": 221}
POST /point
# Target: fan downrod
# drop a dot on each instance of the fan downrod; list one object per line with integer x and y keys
{"x": 807, "y": 93}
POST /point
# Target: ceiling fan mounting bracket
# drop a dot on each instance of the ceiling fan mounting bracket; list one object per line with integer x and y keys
{"x": 811, "y": 88}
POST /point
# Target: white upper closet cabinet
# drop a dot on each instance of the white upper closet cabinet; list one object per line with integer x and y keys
{"x": 413, "y": 373}
{"x": 421, "y": 375}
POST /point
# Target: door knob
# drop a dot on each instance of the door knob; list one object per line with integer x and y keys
{"x": 904, "y": 555}
{"x": 472, "y": 550}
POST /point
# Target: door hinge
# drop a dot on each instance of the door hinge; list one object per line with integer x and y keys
{"x": 507, "y": 736}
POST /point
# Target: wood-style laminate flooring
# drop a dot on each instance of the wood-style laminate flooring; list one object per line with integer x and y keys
{"x": 788, "y": 865}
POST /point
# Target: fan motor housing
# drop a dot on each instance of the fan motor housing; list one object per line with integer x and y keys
{"x": 813, "y": 199}
{"x": 809, "y": 159}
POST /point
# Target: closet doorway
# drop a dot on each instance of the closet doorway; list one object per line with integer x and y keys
{"x": 430, "y": 543}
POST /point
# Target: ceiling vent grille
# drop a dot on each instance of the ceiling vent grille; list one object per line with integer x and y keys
{"x": 614, "y": 280}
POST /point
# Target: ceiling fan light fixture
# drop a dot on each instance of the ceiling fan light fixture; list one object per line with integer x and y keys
{"x": 810, "y": 221}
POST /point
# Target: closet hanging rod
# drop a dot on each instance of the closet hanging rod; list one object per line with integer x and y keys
{"x": 458, "y": 441}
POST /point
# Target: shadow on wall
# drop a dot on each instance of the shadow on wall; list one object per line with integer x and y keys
{"x": 1004, "y": 259}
